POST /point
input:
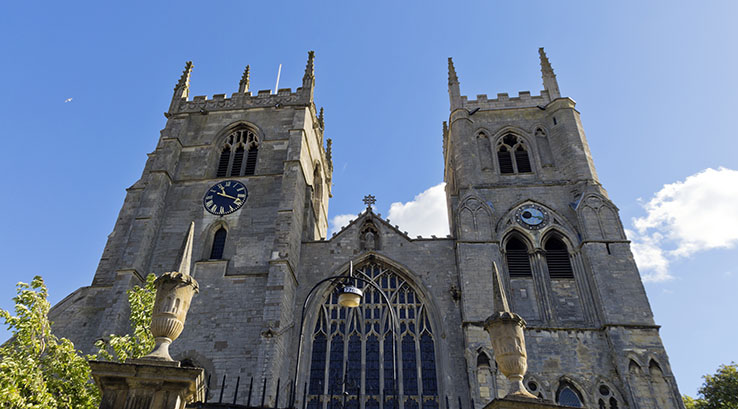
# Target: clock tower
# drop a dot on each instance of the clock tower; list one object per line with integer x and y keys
{"x": 253, "y": 172}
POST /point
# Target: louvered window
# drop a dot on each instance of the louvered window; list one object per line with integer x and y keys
{"x": 522, "y": 160}
{"x": 225, "y": 157}
{"x": 557, "y": 259}
{"x": 506, "y": 163}
{"x": 219, "y": 239}
{"x": 240, "y": 143}
{"x": 567, "y": 396}
{"x": 237, "y": 162}
{"x": 518, "y": 262}
{"x": 512, "y": 155}
{"x": 251, "y": 161}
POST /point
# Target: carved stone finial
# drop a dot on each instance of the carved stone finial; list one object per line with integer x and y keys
{"x": 505, "y": 330}
{"x": 500, "y": 297}
{"x": 309, "y": 68}
{"x": 452, "y": 78}
{"x": 174, "y": 292}
{"x": 369, "y": 200}
{"x": 550, "y": 83}
{"x": 184, "y": 80}
{"x": 329, "y": 152}
{"x": 185, "y": 260}
{"x": 182, "y": 89}
{"x": 454, "y": 92}
{"x": 243, "y": 85}
{"x": 321, "y": 119}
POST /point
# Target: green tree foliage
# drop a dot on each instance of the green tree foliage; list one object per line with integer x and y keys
{"x": 37, "y": 369}
{"x": 719, "y": 391}
{"x": 141, "y": 342}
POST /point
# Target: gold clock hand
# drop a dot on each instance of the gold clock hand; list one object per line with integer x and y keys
{"x": 225, "y": 195}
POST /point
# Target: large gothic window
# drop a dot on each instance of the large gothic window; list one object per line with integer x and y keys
{"x": 512, "y": 155}
{"x": 239, "y": 145}
{"x": 345, "y": 340}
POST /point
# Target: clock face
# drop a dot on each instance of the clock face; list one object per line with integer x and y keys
{"x": 531, "y": 216}
{"x": 225, "y": 197}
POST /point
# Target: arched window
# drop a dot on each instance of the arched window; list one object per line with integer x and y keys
{"x": 240, "y": 143}
{"x": 516, "y": 255}
{"x": 345, "y": 338}
{"x": 606, "y": 398}
{"x": 557, "y": 259}
{"x": 568, "y": 395}
{"x": 219, "y": 239}
{"x": 513, "y": 155}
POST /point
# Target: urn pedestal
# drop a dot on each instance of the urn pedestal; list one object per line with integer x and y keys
{"x": 174, "y": 292}
{"x": 508, "y": 341}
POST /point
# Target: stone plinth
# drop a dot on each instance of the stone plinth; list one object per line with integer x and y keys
{"x": 147, "y": 385}
{"x": 514, "y": 402}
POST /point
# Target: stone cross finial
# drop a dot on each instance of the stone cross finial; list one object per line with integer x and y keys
{"x": 243, "y": 85}
{"x": 549, "y": 78}
{"x": 369, "y": 200}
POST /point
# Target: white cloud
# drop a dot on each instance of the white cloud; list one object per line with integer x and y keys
{"x": 340, "y": 221}
{"x": 425, "y": 215}
{"x": 686, "y": 217}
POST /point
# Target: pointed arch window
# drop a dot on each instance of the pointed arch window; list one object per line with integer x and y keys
{"x": 518, "y": 261}
{"x": 557, "y": 259}
{"x": 219, "y": 239}
{"x": 344, "y": 339}
{"x": 239, "y": 145}
{"x": 512, "y": 155}
{"x": 568, "y": 395}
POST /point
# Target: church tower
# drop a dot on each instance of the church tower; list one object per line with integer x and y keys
{"x": 523, "y": 194}
{"x": 253, "y": 173}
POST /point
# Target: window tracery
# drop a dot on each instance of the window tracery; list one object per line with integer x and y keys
{"x": 344, "y": 338}
{"x": 242, "y": 142}
{"x": 512, "y": 155}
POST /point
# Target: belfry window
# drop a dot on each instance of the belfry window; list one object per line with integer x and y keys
{"x": 512, "y": 155}
{"x": 239, "y": 144}
{"x": 516, "y": 255}
{"x": 219, "y": 239}
{"x": 347, "y": 339}
{"x": 557, "y": 259}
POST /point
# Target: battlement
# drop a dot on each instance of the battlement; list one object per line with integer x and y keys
{"x": 504, "y": 101}
{"x": 241, "y": 100}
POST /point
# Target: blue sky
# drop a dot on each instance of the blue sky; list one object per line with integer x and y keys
{"x": 654, "y": 82}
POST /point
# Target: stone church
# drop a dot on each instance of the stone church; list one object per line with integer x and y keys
{"x": 254, "y": 173}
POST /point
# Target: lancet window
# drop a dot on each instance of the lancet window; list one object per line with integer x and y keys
{"x": 399, "y": 372}
{"x": 512, "y": 155}
{"x": 557, "y": 259}
{"x": 518, "y": 261}
{"x": 219, "y": 239}
{"x": 238, "y": 157}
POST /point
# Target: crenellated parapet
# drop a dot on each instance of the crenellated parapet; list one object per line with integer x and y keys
{"x": 263, "y": 99}
{"x": 244, "y": 99}
{"x": 504, "y": 101}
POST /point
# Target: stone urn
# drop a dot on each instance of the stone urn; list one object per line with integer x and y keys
{"x": 508, "y": 341}
{"x": 174, "y": 291}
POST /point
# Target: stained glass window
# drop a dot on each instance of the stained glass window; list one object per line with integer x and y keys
{"x": 355, "y": 353}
